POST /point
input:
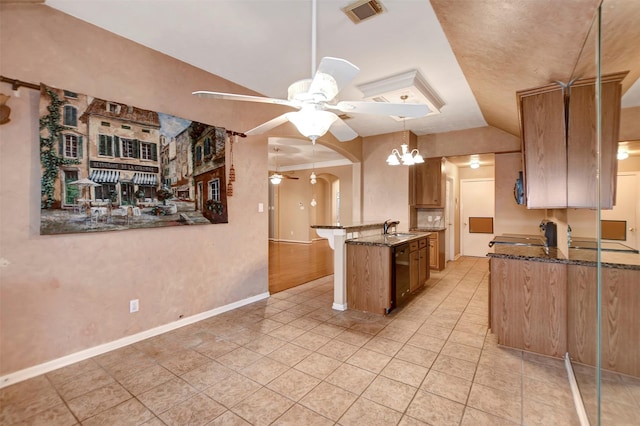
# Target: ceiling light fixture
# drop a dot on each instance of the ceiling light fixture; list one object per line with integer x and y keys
{"x": 623, "y": 154}
{"x": 312, "y": 123}
{"x": 408, "y": 158}
{"x": 313, "y": 177}
{"x": 474, "y": 164}
{"x": 276, "y": 178}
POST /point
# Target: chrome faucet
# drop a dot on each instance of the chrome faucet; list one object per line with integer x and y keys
{"x": 388, "y": 224}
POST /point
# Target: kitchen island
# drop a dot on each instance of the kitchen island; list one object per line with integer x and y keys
{"x": 383, "y": 270}
{"x": 337, "y": 234}
{"x": 544, "y": 302}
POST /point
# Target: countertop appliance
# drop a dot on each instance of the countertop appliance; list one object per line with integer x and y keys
{"x": 401, "y": 285}
{"x": 550, "y": 231}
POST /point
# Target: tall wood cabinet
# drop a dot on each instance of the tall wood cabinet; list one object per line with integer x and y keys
{"x": 558, "y": 126}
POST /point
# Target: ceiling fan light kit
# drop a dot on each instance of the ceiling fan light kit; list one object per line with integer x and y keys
{"x": 312, "y": 123}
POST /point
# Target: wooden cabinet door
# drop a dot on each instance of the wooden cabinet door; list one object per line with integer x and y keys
{"x": 620, "y": 315}
{"x": 582, "y": 151}
{"x": 414, "y": 271}
{"x": 542, "y": 114}
{"x": 529, "y": 305}
{"x": 423, "y": 265}
{"x": 433, "y": 252}
{"x": 428, "y": 185}
{"x": 369, "y": 278}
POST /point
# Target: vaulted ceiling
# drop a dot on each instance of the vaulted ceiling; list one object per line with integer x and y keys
{"x": 475, "y": 54}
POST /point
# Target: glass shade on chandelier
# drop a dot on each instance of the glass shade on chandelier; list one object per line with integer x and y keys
{"x": 407, "y": 158}
{"x": 313, "y": 178}
{"x": 312, "y": 123}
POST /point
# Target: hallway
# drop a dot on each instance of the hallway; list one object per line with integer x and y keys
{"x": 292, "y": 264}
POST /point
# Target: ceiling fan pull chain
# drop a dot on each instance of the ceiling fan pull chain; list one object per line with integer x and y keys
{"x": 314, "y": 11}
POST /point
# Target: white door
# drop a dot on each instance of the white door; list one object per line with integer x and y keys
{"x": 626, "y": 208}
{"x": 449, "y": 220}
{"x": 476, "y": 202}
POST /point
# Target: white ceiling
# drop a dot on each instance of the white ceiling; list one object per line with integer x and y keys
{"x": 265, "y": 45}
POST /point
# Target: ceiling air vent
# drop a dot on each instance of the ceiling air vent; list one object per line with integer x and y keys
{"x": 363, "y": 9}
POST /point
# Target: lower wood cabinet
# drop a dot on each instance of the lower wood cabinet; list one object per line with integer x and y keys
{"x": 370, "y": 274}
{"x": 419, "y": 263}
{"x": 620, "y": 333}
{"x": 436, "y": 251}
{"x": 529, "y": 305}
{"x": 551, "y": 308}
{"x": 369, "y": 277}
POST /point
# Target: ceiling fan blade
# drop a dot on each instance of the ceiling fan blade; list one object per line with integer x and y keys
{"x": 383, "y": 108}
{"x": 245, "y": 98}
{"x": 332, "y": 75}
{"x": 342, "y": 131}
{"x": 264, "y": 127}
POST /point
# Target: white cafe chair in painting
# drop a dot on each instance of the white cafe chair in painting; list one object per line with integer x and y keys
{"x": 77, "y": 207}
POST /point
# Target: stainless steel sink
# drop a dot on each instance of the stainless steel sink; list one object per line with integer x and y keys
{"x": 401, "y": 235}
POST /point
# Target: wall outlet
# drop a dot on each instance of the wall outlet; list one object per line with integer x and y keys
{"x": 133, "y": 306}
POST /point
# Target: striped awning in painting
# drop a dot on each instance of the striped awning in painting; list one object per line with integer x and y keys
{"x": 145, "y": 179}
{"x": 105, "y": 176}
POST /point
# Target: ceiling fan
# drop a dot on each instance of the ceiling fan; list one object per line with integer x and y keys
{"x": 277, "y": 177}
{"x": 315, "y": 100}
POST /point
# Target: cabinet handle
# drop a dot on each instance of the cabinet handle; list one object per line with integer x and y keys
{"x": 632, "y": 229}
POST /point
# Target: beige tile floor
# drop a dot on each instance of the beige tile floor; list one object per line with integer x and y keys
{"x": 292, "y": 360}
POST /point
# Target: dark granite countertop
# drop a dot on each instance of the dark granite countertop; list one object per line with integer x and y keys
{"x": 389, "y": 240}
{"x": 356, "y": 226}
{"x": 619, "y": 260}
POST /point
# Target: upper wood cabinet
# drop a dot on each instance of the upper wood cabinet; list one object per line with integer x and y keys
{"x": 582, "y": 142}
{"x": 544, "y": 146}
{"x": 427, "y": 189}
{"x": 559, "y": 143}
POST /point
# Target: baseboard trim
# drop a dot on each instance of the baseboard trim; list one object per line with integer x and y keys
{"x": 339, "y": 307}
{"x": 37, "y": 370}
{"x": 575, "y": 391}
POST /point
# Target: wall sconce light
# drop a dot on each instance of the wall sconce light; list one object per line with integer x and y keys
{"x": 474, "y": 164}
{"x": 408, "y": 158}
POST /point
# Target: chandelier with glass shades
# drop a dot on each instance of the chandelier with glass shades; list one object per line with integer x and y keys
{"x": 406, "y": 158}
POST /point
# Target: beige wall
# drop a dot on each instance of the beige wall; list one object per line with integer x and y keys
{"x": 385, "y": 192}
{"x": 512, "y": 218}
{"x": 65, "y": 293}
{"x": 479, "y": 140}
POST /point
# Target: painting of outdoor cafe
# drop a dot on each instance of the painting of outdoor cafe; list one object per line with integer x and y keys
{"x": 109, "y": 166}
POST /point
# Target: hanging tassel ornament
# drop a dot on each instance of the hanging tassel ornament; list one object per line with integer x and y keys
{"x": 232, "y": 170}
{"x": 230, "y": 190}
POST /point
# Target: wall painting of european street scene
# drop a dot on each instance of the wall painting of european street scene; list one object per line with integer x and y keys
{"x": 108, "y": 166}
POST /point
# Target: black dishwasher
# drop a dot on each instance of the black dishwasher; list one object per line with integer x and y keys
{"x": 401, "y": 285}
